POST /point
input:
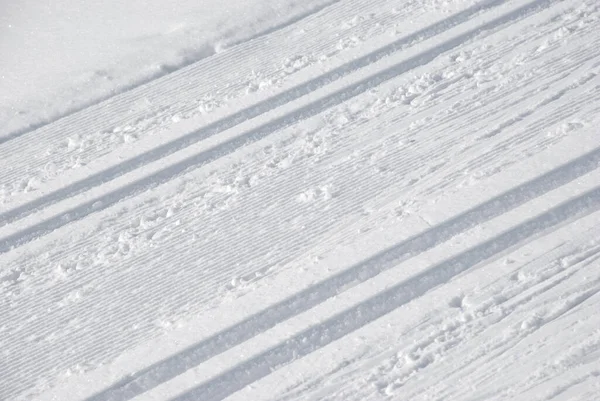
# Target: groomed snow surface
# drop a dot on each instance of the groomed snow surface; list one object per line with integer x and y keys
{"x": 300, "y": 200}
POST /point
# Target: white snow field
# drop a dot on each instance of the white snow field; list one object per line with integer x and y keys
{"x": 338, "y": 200}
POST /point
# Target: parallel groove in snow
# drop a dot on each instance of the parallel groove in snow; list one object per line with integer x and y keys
{"x": 307, "y": 299}
{"x": 149, "y": 259}
{"x": 194, "y": 83}
{"x": 260, "y": 132}
{"x": 279, "y": 100}
{"x": 506, "y": 297}
{"x": 399, "y": 294}
{"x": 42, "y": 124}
{"x": 493, "y": 135}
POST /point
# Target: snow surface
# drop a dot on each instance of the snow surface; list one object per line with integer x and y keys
{"x": 58, "y": 57}
{"x": 300, "y": 200}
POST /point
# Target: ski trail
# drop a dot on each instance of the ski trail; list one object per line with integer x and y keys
{"x": 331, "y": 99}
{"x": 136, "y": 84}
{"x": 253, "y": 135}
{"x": 254, "y": 325}
{"x": 399, "y": 294}
{"x": 367, "y": 199}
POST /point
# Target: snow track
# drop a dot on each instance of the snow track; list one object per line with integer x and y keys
{"x": 340, "y": 325}
{"x": 307, "y": 109}
{"x": 406, "y": 208}
{"x": 383, "y": 302}
{"x": 205, "y": 51}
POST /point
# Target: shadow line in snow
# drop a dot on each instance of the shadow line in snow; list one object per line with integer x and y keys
{"x": 385, "y": 302}
{"x": 208, "y": 51}
{"x": 252, "y": 135}
{"x": 304, "y": 300}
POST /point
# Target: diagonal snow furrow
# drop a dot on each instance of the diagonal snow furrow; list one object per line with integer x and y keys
{"x": 155, "y": 256}
{"x": 526, "y": 300}
{"x": 110, "y": 129}
{"x": 167, "y": 173}
{"x": 307, "y": 299}
{"x": 75, "y": 251}
{"x": 375, "y": 205}
{"x": 521, "y": 137}
{"x": 319, "y": 336}
{"x": 136, "y": 84}
{"x": 298, "y": 90}
{"x": 478, "y": 301}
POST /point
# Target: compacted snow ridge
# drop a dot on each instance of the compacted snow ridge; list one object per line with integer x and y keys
{"x": 300, "y": 200}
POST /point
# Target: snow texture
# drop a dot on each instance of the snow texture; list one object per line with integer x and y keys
{"x": 339, "y": 200}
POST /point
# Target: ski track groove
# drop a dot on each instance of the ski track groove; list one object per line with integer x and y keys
{"x": 359, "y": 273}
{"x": 167, "y": 87}
{"x": 517, "y": 299}
{"x": 352, "y": 28}
{"x": 518, "y": 138}
{"x": 315, "y": 107}
{"x": 318, "y": 336}
{"x": 348, "y": 67}
{"x": 148, "y": 260}
{"x": 100, "y": 100}
{"x": 272, "y": 103}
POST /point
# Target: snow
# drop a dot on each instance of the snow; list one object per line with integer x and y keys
{"x": 59, "y": 57}
{"x": 316, "y": 200}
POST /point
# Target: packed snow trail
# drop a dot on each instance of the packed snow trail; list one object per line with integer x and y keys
{"x": 403, "y": 203}
{"x": 313, "y": 107}
{"x": 97, "y": 62}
